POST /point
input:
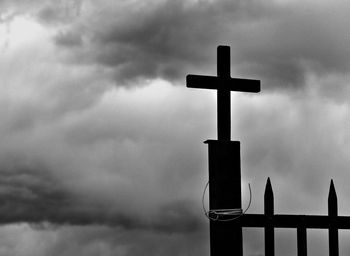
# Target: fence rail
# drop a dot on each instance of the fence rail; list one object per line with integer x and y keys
{"x": 269, "y": 221}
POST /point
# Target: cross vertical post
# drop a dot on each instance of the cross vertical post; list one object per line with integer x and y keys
{"x": 224, "y": 156}
{"x": 223, "y": 94}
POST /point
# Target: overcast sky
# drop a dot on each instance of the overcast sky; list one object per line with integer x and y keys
{"x": 101, "y": 143}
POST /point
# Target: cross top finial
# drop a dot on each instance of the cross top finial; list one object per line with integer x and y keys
{"x": 223, "y": 61}
{"x": 223, "y": 83}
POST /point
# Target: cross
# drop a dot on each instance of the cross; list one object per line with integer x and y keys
{"x": 224, "y": 84}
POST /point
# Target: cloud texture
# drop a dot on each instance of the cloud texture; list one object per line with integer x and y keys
{"x": 281, "y": 43}
{"x": 100, "y": 150}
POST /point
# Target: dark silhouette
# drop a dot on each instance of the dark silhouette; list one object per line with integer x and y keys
{"x": 225, "y": 213}
{"x": 224, "y": 84}
{"x": 224, "y": 158}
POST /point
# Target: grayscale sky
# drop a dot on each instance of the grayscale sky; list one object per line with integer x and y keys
{"x": 101, "y": 147}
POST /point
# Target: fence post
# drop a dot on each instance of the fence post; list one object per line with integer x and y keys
{"x": 333, "y": 212}
{"x": 302, "y": 240}
{"x": 269, "y": 211}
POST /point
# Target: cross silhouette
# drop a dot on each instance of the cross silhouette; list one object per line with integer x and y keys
{"x": 224, "y": 85}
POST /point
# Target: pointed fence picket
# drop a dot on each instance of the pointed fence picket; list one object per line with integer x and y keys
{"x": 269, "y": 221}
{"x": 333, "y": 213}
{"x": 268, "y": 211}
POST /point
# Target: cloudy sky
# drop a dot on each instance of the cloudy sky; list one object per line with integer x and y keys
{"x": 101, "y": 147}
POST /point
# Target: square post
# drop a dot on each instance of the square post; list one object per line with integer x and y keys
{"x": 224, "y": 193}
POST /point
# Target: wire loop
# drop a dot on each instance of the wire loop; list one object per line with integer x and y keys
{"x": 237, "y": 212}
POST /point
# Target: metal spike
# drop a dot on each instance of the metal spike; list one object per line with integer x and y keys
{"x": 268, "y": 198}
{"x": 333, "y": 211}
{"x": 332, "y": 201}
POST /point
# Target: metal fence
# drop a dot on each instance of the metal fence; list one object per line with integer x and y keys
{"x": 269, "y": 221}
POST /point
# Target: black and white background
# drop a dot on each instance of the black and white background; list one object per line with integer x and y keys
{"x": 101, "y": 147}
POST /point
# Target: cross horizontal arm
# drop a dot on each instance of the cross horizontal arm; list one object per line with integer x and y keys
{"x": 226, "y": 83}
{"x": 293, "y": 221}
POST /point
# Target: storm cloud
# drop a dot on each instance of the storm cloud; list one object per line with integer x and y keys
{"x": 29, "y": 194}
{"x": 101, "y": 144}
{"x": 281, "y": 43}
